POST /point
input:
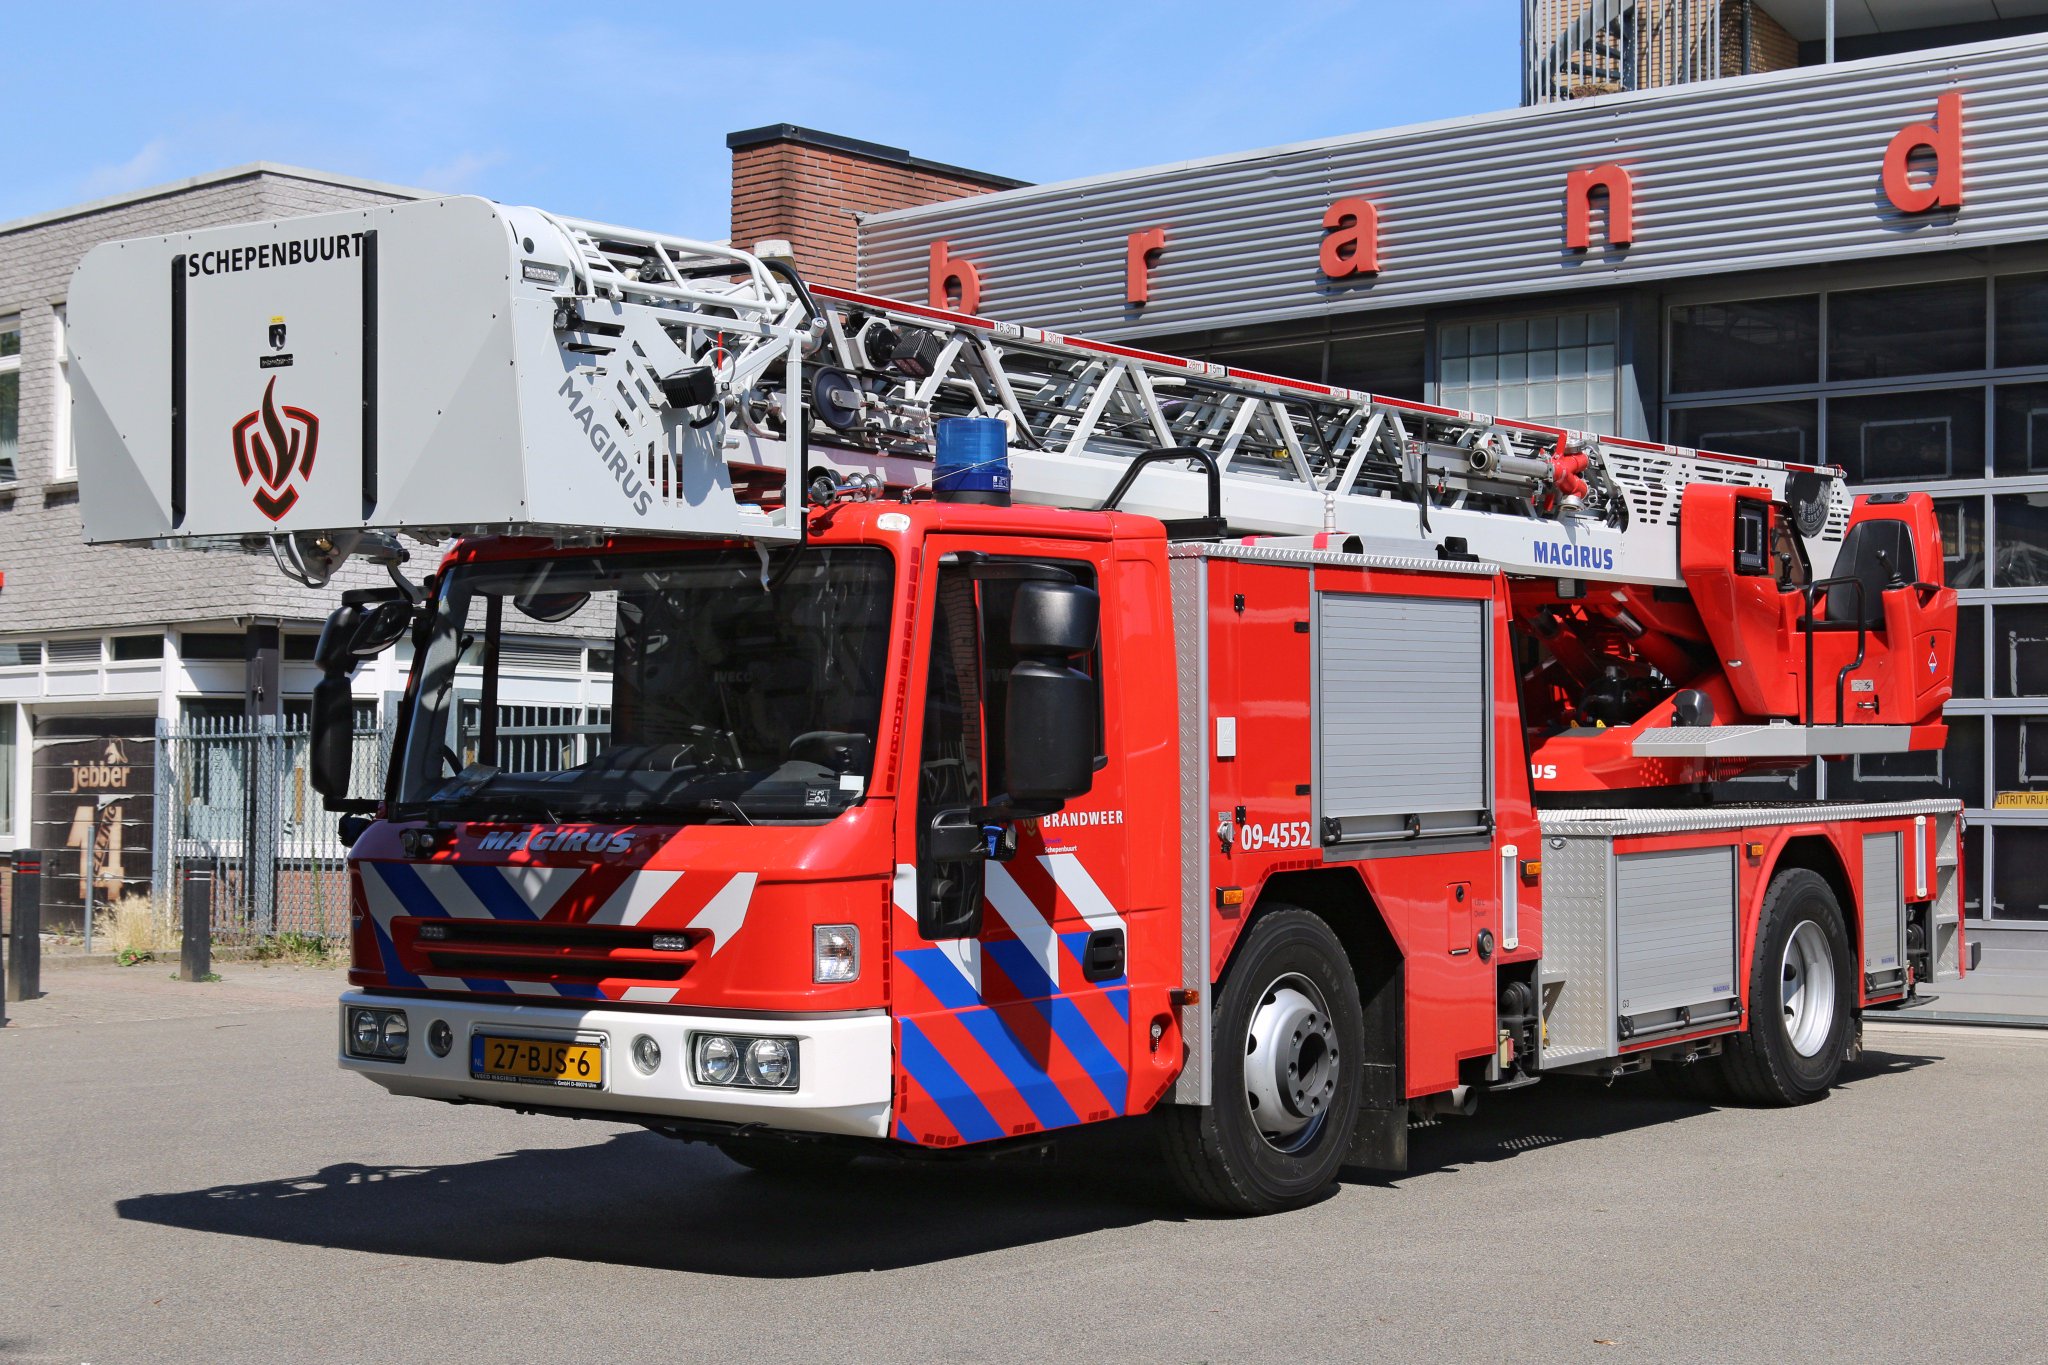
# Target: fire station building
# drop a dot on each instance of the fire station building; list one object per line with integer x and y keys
{"x": 1843, "y": 263}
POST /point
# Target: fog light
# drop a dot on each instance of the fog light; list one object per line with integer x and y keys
{"x": 440, "y": 1037}
{"x": 836, "y": 950}
{"x": 364, "y": 1028}
{"x": 768, "y": 1063}
{"x": 718, "y": 1059}
{"x": 647, "y": 1054}
{"x": 392, "y": 1043}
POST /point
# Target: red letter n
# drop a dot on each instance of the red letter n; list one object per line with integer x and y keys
{"x": 951, "y": 275}
{"x": 1943, "y": 137}
{"x": 1578, "y": 206}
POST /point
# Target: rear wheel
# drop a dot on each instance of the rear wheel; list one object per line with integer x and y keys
{"x": 1288, "y": 1039}
{"x": 1802, "y": 997}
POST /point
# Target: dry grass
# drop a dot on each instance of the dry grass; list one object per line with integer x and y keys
{"x": 131, "y": 929}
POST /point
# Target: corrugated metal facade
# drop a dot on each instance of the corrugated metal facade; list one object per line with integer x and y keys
{"x": 1770, "y": 170}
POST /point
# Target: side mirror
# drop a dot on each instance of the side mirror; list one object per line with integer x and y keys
{"x": 332, "y": 738}
{"x": 360, "y": 630}
{"x": 1050, "y": 731}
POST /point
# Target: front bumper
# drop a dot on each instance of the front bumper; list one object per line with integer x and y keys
{"x": 843, "y": 1064}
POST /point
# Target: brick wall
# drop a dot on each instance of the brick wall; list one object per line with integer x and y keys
{"x": 805, "y": 187}
{"x": 54, "y": 582}
{"x": 1771, "y": 48}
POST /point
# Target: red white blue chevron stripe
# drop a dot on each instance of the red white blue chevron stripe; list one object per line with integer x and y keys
{"x": 715, "y": 903}
{"x": 1002, "y": 1035}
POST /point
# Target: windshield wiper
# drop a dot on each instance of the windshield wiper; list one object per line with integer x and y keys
{"x": 709, "y": 805}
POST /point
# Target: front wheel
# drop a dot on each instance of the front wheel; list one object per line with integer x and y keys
{"x": 1802, "y": 997}
{"x": 1287, "y": 1042}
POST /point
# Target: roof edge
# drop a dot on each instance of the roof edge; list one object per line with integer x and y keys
{"x": 1616, "y": 103}
{"x": 246, "y": 171}
{"x": 874, "y": 151}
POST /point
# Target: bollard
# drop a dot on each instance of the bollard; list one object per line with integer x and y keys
{"x": 25, "y": 940}
{"x": 195, "y": 959}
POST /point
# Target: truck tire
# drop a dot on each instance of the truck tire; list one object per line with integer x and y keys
{"x": 1802, "y": 997}
{"x": 1288, "y": 1041}
{"x": 787, "y": 1160}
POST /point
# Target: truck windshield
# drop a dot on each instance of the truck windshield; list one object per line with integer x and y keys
{"x": 651, "y": 686}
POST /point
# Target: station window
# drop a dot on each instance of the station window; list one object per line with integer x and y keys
{"x": 1765, "y": 431}
{"x": 136, "y": 648}
{"x": 1973, "y": 871}
{"x": 1908, "y": 437}
{"x": 1969, "y": 681}
{"x": 2020, "y": 429}
{"x": 1928, "y": 774}
{"x": 2019, "y": 872}
{"x": 1956, "y": 770}
{"x": 213, "y": 646}
{"x": 1961, "y": 521}
{"x": 2020, "y": 540}
{"x": 2019, "y": 754}
{"x": 1906, "y": 329}
{"x": 1745, "y": 344}
{"x": 1561, "y": 369}
{"x": 10, "y": 399}
{"x": 2022, "y": 302}
{"x": 2019, "y": 649}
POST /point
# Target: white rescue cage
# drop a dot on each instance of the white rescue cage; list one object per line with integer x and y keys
{"x": 437, "y": 367}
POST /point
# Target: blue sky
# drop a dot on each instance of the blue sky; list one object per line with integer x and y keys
{"x": 619, "y": 111}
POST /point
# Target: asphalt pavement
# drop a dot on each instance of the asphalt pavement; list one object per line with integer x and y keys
{"x": 185, "y": 1175}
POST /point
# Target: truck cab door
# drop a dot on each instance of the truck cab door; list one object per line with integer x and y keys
{"x": 1010, "y": 992}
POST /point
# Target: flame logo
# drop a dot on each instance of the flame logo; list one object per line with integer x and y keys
{"x": 282, "y": 449}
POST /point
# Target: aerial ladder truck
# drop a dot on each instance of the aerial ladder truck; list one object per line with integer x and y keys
{"x": 1008, "y": 731}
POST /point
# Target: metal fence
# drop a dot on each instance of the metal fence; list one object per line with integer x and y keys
{"x": 1576, "y": 48}
{"x": 233, "y": 795}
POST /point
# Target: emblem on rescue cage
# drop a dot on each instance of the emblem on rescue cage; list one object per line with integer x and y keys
{"x": 277, "y": 454}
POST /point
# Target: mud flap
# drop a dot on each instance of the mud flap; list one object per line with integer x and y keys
{"x": 1380, "y": 1141}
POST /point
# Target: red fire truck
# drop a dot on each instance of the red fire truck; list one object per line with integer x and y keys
{"x": 1007, "y": 732}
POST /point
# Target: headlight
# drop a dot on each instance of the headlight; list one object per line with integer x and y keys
{"x": 378, "y": 1034}
{"x": 755, "y": 1063}
{"x": 718, "y": 1059}
{"x": 768, "y": 1062}
{"x": 364, "y": 1028}
{"x": 836, "y": 951}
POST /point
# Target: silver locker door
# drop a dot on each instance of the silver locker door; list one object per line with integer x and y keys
{"x": 1403, "y": 705}
{"x": 1674, "y": 917}
{"x": 1884, "y": 909}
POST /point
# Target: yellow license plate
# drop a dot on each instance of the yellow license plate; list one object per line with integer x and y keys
{"x": 536, "y": 1061}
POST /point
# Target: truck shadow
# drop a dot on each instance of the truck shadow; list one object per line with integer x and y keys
{"x": 1573, "y": 1109}
{"x": 636, "y": 1199}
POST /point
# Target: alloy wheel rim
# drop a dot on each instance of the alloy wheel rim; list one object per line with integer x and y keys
{"x": 1290, "y": 1063}
{"x": 1808, "y": 976}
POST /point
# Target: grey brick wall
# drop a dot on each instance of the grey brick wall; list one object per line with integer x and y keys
{"x": 54, "y": 582}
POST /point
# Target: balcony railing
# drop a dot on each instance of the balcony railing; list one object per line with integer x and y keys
{"x": 1573, "y": 49}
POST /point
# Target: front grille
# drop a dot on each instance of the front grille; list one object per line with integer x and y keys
{"x": 543, "y": 951}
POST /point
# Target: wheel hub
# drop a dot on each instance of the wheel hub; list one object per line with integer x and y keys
{"x": 1290, "y": 1063}
{"x": 1808, "y": 974}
